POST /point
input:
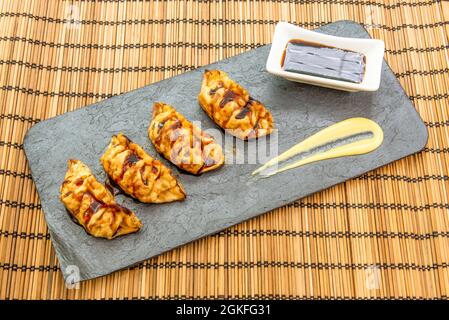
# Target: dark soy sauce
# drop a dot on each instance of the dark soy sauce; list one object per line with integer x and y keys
{"x": 323, "y": 61}
{"x": 228, "y": 96}
{"x": 245, "y": 110}
{"x": 112, "y": 187}
{"x": 95, "y": 206}
{"x": 131, "y": 159}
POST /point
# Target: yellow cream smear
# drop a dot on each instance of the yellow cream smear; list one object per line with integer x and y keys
{"x": 341, "y": 130}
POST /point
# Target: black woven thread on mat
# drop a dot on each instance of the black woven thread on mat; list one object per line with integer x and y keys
{"x": 430, "y": 72}
{"x": 404, "y": 178}
{"x": 278, "y": 233}
{"x": 288, "y": 264}
{"x": 334, "y": 234}
{"x": 182, "y": 44}
{"x": 385, "y": 206}
{"x": 250, "y": 264}
{"x": 209, "y": 22}
{"x": 339, "y": 2}
{"x": 19, "y": 205}
{"x": 296, "y": 204}
{"x": 15, "y": 174}
{"x": 179, "y": 44}
{"x": 25, "y": 235}
{"x": 417, "y": 50}
{"x": 179, "y": 67}
{"x": 438, "y": 96}
{"x": 436, "y": 150}
{"x": 66, "y": 94}
{"x": 437, "y": 124}
{"x": 13, "y": 145}
{"x": 18, "y": 118}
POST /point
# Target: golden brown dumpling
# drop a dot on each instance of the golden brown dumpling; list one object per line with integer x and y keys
{"x": 184, "y": 144}
{"x": 93, "y": 206}
{"x": 232, "y": 108}
{"x": 138, "y": 174}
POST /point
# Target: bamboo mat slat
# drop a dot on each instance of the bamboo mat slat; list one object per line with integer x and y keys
{"x": 382, "y": 235}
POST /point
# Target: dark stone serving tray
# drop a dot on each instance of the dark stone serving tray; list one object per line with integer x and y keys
{"x": 224, "y": 197}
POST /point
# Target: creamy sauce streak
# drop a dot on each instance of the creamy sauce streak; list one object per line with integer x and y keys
{"x": 338, "y": 131}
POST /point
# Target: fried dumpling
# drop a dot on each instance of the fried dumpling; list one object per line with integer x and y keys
{"x": 93, "y": 206}
{"x": 182, "y": 143}
{"x": 139, "y": 175}
{"x": 231, "y": 107}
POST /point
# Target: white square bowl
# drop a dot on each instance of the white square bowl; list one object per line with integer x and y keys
{"x": 373, "y": 50}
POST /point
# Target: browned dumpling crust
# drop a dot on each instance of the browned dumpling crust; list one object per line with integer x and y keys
{"x": 182, "y": 143}
{"x": 138, "y": 174}
{"x": 93, "y": 206}
{"x": 232, "y": 108}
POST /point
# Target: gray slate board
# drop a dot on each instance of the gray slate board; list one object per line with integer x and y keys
{"x": 219, "y": 199}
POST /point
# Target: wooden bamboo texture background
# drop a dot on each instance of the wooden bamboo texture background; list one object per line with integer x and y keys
{"x": 382, "y": 235}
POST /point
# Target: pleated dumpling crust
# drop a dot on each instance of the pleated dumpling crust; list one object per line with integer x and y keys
{"x": 138, "y": 174}
{"x": 93, "y": 206}
{"x": 231, "y": 107}
{"x": 182, "y": 143}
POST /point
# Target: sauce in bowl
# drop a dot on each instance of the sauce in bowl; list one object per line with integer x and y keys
{"x": 323, "y": 61}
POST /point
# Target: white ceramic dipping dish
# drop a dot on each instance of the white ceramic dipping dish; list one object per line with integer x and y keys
{"x": 373, "y": 50}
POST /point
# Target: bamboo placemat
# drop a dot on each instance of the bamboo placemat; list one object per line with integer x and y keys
{"x": 382, "y": 235}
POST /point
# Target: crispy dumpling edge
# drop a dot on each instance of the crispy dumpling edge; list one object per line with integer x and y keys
{"x": 75, "y": 217}
{"x": 160, "y": 107}
{"x": 249, "y": 134}
{"x": 153, "y": 160}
